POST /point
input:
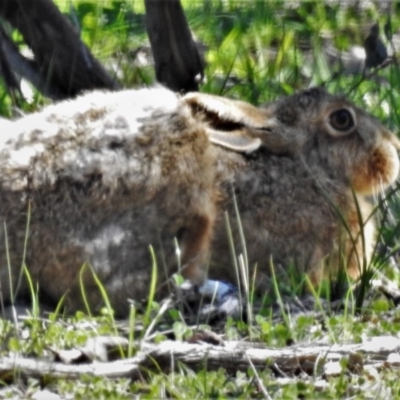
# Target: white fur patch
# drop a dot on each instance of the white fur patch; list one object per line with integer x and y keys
{"x": 75, "y": 137}
{"x": 98, "y": 248}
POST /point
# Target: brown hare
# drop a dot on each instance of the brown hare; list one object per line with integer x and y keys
{"x": 86, "y": 186}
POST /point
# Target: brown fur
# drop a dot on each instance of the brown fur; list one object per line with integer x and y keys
{"x": 109, "y": 174}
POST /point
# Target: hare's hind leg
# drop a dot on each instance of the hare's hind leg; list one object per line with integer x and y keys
{"x": 13, "y": 236}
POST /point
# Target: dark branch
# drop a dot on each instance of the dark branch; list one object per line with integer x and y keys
{"x": 61, "y": 60}
{"x": 177, "y": 61}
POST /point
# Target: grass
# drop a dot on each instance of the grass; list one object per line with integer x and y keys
{"x": 257, "y": 51}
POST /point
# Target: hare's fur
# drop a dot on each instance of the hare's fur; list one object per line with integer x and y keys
{"x": 105, "y": 176}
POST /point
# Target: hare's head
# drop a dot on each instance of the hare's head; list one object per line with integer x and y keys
{"x": 327, "y": 131}
{"x": 340, "y": 137}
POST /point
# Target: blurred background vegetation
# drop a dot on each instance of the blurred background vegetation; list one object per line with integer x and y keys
{"x": 254, "y": 50}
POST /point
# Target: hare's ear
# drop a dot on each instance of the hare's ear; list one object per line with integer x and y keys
{"x": 234, "y": 141}
{"x": 229, "y": 123}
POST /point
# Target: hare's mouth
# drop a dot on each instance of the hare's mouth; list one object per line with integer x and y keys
{"x": 380, "y": 171}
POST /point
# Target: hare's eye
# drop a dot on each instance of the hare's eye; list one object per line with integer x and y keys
{"x": 342, "y": 120}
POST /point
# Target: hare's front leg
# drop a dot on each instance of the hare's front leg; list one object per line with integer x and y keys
{"x": 195, "y": 248}
{"x": 360, "y": 240}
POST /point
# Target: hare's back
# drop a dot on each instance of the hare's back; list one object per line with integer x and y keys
{"x": 94, "y": 134}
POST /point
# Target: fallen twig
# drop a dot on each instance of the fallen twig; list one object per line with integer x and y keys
{"x": 233, "y": 356}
